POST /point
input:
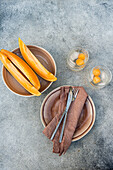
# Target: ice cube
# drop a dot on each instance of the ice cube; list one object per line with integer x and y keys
{"x": 74, "y": 56}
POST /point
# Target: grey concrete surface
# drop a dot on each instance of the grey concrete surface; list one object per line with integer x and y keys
{"x": 58, "y": 26}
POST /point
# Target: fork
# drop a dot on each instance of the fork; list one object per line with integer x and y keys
{"x": 71, "y": 97}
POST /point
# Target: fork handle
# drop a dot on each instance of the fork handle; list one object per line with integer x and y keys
{"x": 63, "y": 126}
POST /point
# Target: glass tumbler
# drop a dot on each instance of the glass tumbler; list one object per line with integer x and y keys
{"x": 74, "y": 55}
{"x": 104, "y": 77}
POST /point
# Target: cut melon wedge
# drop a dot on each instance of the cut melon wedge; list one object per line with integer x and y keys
{"x": 25, "y": 69}
{"x": 18, "y": 76}
{"x": 35, "y": 63}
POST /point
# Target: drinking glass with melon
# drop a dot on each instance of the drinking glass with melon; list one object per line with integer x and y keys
{"x": 77, "y": 59}
{"x": 100, "y": 76}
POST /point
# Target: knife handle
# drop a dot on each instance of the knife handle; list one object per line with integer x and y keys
{"x": 58, "y": 125}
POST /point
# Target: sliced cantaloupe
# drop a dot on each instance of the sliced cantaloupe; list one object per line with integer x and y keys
{"x": 18, "y": 76}
{"x": 35, "y": 63}
{"x": 21, "y": 65}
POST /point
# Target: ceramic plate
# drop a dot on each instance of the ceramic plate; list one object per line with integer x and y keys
{"x": 86, "y": 120}
{"x": 44, "y": 57}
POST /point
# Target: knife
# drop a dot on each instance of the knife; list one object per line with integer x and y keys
{"x": 69, "y": 100}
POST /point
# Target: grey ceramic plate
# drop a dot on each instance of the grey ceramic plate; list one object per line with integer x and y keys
{"x": 86, "y": 120}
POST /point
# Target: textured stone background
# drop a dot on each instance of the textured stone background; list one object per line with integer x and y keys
{"x": 58, "y": 26}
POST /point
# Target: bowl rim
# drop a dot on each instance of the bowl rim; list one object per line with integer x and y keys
{"x": 90, "y": 125}
{"x": 30, "y": 95}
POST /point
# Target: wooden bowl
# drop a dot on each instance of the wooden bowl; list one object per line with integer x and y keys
{"x": 47, "y": 61}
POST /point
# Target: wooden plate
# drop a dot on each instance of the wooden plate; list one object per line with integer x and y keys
{"x": 44, "y": 57}
{"x": 86, "y": 120}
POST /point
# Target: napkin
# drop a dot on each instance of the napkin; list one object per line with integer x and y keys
{"x": 71, "y": 122}
{"x": 56, "y": 108}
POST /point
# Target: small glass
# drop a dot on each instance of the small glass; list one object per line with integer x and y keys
{"x": 105, "y": 76}
{"x": 73, "y": 56}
